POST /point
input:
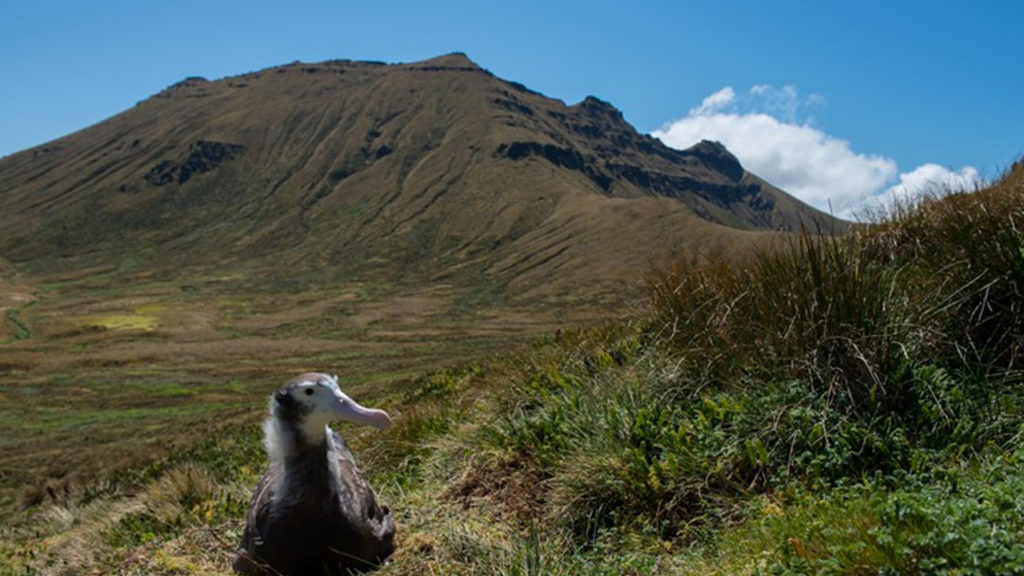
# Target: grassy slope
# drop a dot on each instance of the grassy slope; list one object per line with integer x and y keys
{"x": 834, "y": 407}
{"x": 355, "y": 170}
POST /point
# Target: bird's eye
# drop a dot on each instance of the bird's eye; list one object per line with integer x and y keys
{"x": 309, "y": 391}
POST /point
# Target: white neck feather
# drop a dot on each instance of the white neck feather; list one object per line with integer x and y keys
{"x": 281, "y": 442}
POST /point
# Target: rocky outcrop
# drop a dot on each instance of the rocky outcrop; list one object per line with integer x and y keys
{"x": 203, "y": 156}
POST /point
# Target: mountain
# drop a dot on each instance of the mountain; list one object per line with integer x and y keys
{"x": 431, "y": 171}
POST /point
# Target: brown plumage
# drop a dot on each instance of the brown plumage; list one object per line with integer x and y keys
{"x": 313, "y": 512}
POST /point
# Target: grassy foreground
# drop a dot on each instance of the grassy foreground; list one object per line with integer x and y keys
{"x": 849, "y": 406}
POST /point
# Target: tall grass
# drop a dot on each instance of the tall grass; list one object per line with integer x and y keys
{"x": 938, "y": 283}
{"x": 815, "y": 363}
{"x": 817, "y": 310}
{"x": 970, "y": 248}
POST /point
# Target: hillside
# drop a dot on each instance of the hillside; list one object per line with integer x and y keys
{"x": 432, "y": 171}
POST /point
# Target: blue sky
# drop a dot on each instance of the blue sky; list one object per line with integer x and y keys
{"x": 861, "y": 93}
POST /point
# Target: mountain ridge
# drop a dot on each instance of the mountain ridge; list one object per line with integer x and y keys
{"x": 423, "y": 170}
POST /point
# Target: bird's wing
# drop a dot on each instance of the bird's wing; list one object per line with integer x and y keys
{"x": 259, "y": 510}
{"x": 356, "y": 499}
{"x": 247, "y": 561}
{"x": 364, "y": 531}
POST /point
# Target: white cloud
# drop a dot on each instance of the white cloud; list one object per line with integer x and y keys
{"x": 762, "y": 128}
{"x": 924, "y": 180}
{"x": 784, "y": 103}
{"x": 932, "y": 178}
{"x": 715, "y": 102}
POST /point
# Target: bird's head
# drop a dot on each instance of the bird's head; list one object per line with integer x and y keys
{"x": 311, "y": 401}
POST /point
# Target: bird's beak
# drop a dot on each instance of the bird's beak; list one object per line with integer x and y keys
{"x": 350, "y": 410}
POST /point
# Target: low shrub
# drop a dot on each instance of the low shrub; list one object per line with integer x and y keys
{"x": 950, "y": 521}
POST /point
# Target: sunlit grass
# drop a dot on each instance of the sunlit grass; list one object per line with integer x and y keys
{"x": 121, "y": 322}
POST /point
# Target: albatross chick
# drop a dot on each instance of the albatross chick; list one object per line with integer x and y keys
{"x": 313, "y": 512}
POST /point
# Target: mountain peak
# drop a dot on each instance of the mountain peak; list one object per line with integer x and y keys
{"x": 595, "y": 107}
{"x": 716, "y": 155}
{"x": 710, "y": 147}
{"x": 452, "y": 60}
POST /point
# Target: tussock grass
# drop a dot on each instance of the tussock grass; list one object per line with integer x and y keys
{"x": 969, "y": 247}
{"x": 818, "y": 310}
{"x": 831, "y": 376}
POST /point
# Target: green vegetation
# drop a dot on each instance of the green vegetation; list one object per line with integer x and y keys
{"x": 21, "y": 332}
{"x": 829, "y": 406}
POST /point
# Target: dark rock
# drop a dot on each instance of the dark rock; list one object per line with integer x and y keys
{"x": 679, "y": 186}
{"x": 162, "y": 173}
{"x": 597, "y": 108}
{"x": 717, "y": 157}
{"x": 565, "y": 157}
{"x": 559, "y": 156}
{"x": 203, "y": 156}
{"x": 339, "y": 174}
{"x": 514, "y": 106}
